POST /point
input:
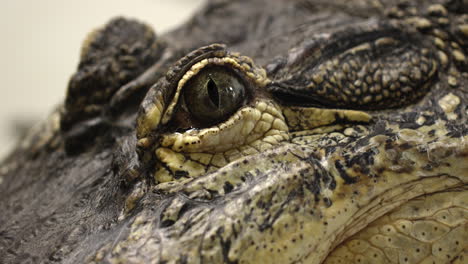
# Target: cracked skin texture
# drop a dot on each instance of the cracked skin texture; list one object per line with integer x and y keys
{"x": 350, "y": 145}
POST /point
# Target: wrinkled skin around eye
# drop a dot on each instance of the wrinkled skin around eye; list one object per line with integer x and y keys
{"x": 214, "y": 94}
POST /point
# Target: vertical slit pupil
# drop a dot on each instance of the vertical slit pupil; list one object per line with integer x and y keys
{"x": 213, "y": 92}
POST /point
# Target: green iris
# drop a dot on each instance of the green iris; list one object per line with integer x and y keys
{"x": 214, "y": 93}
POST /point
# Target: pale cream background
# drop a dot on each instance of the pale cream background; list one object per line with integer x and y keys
{"x": 40, "y": 43}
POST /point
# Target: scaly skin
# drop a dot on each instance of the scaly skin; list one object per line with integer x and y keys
{"x": 350, "y": 145}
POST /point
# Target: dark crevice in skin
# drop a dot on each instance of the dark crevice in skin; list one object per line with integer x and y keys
{"x": 320, "y": 177}
{"x": 363, "y": 161}
{"x": 228, "y": 187}
{"x": 340, "y": 168}
{"x": 225, "y": 246}
{"x": 189, "y": 224}
{"x": 180, "y": 174}
{"x": 270, "y": 220}
{"x": 293, "y": 98}
{"x": 162, "y": 202}
{"x": 345, "y": 123}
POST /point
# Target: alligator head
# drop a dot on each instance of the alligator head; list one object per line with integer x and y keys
{"x": 258, "y": 132}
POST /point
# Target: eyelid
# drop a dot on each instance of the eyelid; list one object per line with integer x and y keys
{"x": 208, "y": 140}
{"x": 160, "y": 94}
{"x": 258, "y": 77}
{"x": 164, "y": 98}
{"x": 322, "y": 46}
{"x": 362, "y": 73}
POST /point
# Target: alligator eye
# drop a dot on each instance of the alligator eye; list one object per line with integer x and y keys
{"x": 214, "y": 93}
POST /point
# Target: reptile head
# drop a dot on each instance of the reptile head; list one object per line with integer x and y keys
{"x": 215, "y": 106}
{"x": 217, "y": 110}
{"x": 319, "y": 132}
{"x": 285, "y": 159}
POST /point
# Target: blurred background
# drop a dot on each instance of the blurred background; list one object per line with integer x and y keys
{"x": 40, "y": 45}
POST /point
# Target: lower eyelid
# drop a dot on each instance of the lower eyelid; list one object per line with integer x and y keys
{"x": 236, "y": 131}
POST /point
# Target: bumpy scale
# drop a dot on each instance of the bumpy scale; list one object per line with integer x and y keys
{"x": 345, "y": 141}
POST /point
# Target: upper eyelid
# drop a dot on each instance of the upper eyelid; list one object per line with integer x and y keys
{"x": 328, "y": 71}
{"x": 321, "y": 46}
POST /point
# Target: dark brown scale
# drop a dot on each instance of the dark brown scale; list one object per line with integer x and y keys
{"x": 384, "y": 73}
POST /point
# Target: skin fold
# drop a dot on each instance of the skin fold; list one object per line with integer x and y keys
{"x": 257, "y": 132}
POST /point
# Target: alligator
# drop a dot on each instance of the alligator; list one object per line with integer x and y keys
{"x": 264, "y": 131}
